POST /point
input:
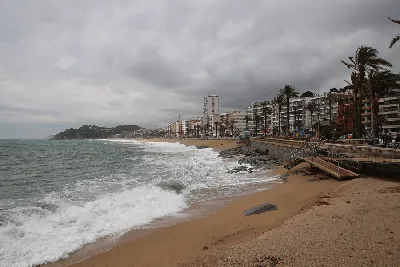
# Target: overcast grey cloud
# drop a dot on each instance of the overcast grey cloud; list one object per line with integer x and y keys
{"x": 68, "y": 63}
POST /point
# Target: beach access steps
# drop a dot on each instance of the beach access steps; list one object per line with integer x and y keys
{"x": 328, "y": 167}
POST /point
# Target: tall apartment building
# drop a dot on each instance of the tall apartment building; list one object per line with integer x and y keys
{"x": 210, "y": 113}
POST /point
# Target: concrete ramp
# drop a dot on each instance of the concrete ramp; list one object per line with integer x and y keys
{"x": 334, "y": 170}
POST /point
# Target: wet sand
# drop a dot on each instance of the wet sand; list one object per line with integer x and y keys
{"x": 216, "y": 144}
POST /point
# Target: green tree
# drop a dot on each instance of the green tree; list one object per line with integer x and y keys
{"x": 332, "y": 98}
{"x": 307, "y": 94}
{"x": 366, "y": 58}
{"x": 296, "y": 113}
{"x": 257, "y": 120}
{"x": 247, "y": 118}
{"x": 231, "y": 126}
{"x": 312, "y": 107}
{"x": 396, "y": 38}
{"x": 216, "y": 128}
{"x": 265, "y": 111}
{"x": 288, "y": 92}
{"x": 222, "y": 130}
{"x": 279, "y": 100}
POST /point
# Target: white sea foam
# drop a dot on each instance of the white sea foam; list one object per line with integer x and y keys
{"x": 102, "y": 206}
{"x": 38, "y": 235}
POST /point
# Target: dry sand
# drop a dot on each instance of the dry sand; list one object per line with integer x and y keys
{"x": 357, "y": 224}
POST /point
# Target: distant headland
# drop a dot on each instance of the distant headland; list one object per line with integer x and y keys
{"x": 98, "y": 132}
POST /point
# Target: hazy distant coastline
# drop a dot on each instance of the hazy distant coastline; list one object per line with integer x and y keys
{"x": 97, "y": 132}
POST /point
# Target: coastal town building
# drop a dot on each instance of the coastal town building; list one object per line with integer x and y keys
{"x": 185, "y": 127}
{"x": 260, "y": 115}
{"x": 306, "y": 114}
{"x": 210, "y": 113}
{"x": 389, "y": 113}
{"x": 301, "y": 117}
{"x": 237, "y": 118}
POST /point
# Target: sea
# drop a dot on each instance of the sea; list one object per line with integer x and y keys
{"x": 58, "y": 196}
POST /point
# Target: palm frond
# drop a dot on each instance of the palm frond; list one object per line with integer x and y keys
{"x": 379, "y": 62}
{"x": 394, "y": 40}
{"x": 395, "y": 21}
{"x": 348, "y": 65}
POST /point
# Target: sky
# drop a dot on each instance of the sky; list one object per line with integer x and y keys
{"x": 68, "y": 63}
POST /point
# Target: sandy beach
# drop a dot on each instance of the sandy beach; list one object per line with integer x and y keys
{"x": 216, "y": 144}
{"x": 320, "y": 223}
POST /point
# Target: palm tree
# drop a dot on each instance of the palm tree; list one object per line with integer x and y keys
{"x": 257, "y": 120}
{"x": 365, "y": 59}
{"x": 216, "y": 128}
{"x": 296, "y": 113}
{"x": 279, "y": 100}
{"x": 379, "y": 83}
{"x": 221, "y": 130}
{"x": 265, "y": 111}
{"x": 288, "y": 92}
{"x": 347, "y": 116}
{"x": 396, "y": 38}
{"x": 232, "y": 125}
{"x": 247, "y": 118}
{"x": 311, "y": 106}
{"x": 332, "y": 98}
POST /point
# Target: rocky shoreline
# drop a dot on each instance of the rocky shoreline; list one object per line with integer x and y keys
{"x": 256, "y": 158}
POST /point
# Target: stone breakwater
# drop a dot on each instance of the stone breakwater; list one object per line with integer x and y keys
{"x": 258, "y": 159}
{"x": 273, "y": 150}
{"x": 260, "y": 155}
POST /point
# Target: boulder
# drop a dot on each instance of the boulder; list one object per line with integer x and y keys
{"x": 259, "y": 209}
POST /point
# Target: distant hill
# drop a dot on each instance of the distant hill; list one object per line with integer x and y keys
{"x": 96, "y": 132}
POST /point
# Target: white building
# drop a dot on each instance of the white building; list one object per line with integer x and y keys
{"x": 300, "y": 116}
{"x": 210, "y": 112}
{"x": 238, "y": 119}
{"x": 256, "y": 113}
{"x": 185, "y": 127}
{"x": 389, "y": 112}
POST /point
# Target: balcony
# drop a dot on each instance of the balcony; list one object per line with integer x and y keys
{"x": 391, "y": 126}
{"x": 388, "y": 112}
{"x": 392, "y": 119}
{"x": 388, "y": 105}
{"x": 388, "y": 98}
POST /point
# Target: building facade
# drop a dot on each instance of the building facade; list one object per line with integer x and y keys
{"x": 389, "y": 113}
{"x": 210, "y": 116}
{"x": 237, "y": 118}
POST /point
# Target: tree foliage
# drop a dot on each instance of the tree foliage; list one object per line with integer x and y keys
{"x": 397, "y": 37}
{"x": 307, "y": 94}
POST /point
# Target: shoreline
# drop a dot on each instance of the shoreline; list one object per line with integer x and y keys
{"x": 187, "y": 239}
{"x": 194, "y": 211}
